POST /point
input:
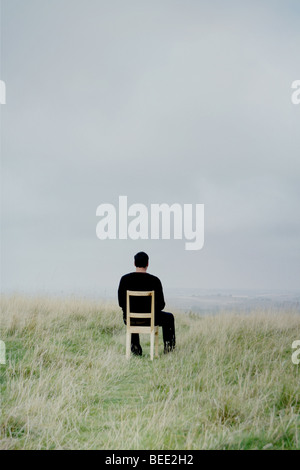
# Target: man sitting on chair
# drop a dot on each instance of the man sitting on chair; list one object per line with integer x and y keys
{"x": 140, "y": 280}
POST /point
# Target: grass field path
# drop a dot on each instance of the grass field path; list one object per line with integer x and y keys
{"x": 230, "y": 384}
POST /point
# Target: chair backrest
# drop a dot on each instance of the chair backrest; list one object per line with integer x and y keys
{"x": 129, "y": 314}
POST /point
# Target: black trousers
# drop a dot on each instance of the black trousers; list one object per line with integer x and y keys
{"x": 166, "y": 321}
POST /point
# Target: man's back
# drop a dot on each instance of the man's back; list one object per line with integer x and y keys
{"x": 140, "y": 281}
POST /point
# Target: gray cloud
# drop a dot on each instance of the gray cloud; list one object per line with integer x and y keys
{"x": 184, "y": 102}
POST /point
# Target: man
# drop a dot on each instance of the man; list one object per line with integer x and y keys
{"x": 140, "y": 280}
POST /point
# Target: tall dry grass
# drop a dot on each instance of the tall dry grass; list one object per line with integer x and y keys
{"x": 67, "y": 385}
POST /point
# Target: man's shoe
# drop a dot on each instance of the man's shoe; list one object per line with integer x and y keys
{"x": 136, "y": 350}
{"x": 168, "y": 347}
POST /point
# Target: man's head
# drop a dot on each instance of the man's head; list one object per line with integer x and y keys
{"x": 141, "y": 260}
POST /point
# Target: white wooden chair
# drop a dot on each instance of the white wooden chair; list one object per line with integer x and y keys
{"x": 152, "y": 329}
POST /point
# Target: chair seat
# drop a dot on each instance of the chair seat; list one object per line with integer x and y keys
{"x": 143, "y": 329}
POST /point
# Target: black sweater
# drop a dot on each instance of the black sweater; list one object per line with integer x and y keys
{"x": 140, "y": 282}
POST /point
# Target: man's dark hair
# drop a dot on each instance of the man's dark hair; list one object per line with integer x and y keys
{"x": 141, "y": 260}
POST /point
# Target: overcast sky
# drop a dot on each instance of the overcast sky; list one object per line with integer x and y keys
{"x": 164, "y": 101}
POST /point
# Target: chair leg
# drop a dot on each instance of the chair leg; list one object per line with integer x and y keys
{"x": 156, "y": 343}
{"x": 151, "y": 345}
{"x": 128, "y": 344}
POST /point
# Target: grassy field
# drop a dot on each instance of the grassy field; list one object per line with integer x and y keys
{"x": 230, "y": 384}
